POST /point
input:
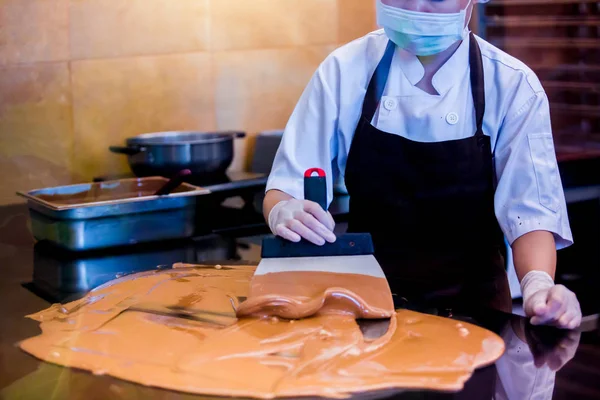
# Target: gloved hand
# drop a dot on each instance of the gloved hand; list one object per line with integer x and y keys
{"x": 295, "y": 219}
{"x": 549, "y": 304}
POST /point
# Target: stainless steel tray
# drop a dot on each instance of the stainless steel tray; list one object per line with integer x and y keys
{"x": 111, "y": 198}
{"x": 109, "y": 214}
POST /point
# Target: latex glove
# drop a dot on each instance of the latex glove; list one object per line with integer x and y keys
{"x": 296, "y": 219}
{"x": 549, "y": 304}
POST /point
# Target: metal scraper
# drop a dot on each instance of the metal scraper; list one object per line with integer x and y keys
{"x": 350, "y": 254}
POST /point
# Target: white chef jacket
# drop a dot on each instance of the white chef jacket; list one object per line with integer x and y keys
{"x": 529, "y": 195}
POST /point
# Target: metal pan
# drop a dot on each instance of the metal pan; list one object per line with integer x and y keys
{"x": 166, "y": 153}
{"x": 108, "y": 214}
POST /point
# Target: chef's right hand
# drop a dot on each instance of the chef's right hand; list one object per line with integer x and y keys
{"x": 296, "y": 219}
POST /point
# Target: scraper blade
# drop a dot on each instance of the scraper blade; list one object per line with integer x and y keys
{"x": 352, "y": 253}
{"x": 338, "y": 277}
{"x": 297, "y": 280}
{"x": 300, "y": 287}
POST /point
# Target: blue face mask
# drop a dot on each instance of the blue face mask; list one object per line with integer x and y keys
{"x": 423, "y": 34}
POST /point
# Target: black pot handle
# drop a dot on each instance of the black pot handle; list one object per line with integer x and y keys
{"x": 129, "y": 150}
{"x": 235, "y": 134}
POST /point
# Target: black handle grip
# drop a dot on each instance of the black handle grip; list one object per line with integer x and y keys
{"x": 125, "y": 150}
{"x": 315, "y": 187}
{"x": 173, "y": 183}
{"x": 233, "y": 134}
{"x": 349, "y": 244}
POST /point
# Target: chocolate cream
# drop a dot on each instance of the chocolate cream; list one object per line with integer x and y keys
{"x": 109, "y": 191}
{"x": 177, "y": 329}
{"x": 301, "y": 294}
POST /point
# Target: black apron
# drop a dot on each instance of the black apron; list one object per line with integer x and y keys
{"x": 429, "y": 206}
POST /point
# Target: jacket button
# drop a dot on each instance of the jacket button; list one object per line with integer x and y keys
{"x": 452, "y": 118}
{"x": 390, "y": 104}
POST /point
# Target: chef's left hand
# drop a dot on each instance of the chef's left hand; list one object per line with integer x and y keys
{"x": 549, "y": 304}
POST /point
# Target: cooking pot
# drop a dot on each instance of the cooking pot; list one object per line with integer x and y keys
{"x": 167, "y": 153}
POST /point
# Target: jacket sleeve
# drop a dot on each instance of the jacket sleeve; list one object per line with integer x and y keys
{"x": 529, "y": 196}
{"x": 309, "y": 137}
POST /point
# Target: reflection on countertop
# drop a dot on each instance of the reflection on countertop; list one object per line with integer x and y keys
{"x": 35, "y": 275}
{"x": 61, "y": 275}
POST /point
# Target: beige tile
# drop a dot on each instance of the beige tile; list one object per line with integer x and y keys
{"x": 109, "y": 28}
{"x": 261, "y": 24}
{"x": 258, "y": 90}
{"x": 36, "y": 134}
{"x": 356, "y": 18}
{"x": 116, "y": 99}
{"x": 33, "y": 30}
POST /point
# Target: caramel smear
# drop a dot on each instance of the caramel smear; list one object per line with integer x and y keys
{"x": 296, "y": 295}
{"x": 177, "y": 329}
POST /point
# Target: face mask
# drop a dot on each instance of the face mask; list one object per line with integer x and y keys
{"x": 422, "y": 34}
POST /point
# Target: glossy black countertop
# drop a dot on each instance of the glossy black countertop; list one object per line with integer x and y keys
{"x": 32, "y": 276}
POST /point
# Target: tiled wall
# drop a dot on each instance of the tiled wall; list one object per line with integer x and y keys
{"x": 79, "y": 75}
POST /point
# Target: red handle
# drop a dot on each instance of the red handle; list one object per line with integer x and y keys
{"x": 310, "y": 172}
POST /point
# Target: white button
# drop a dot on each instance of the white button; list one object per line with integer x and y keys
{"x": 452, "y": 118}
{"x": 390, "y": 104}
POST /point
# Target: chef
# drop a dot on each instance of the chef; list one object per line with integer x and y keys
{"x": 445, "y": 146}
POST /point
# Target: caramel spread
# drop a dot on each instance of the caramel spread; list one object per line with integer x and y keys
{"x": 295, "y": 295}
{"x": 177, "y": 329}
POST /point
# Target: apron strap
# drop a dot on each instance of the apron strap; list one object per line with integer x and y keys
{"x": 378, "y": 82}
{"x": 478, "y": 92}
{"x": 477, "y": 82}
